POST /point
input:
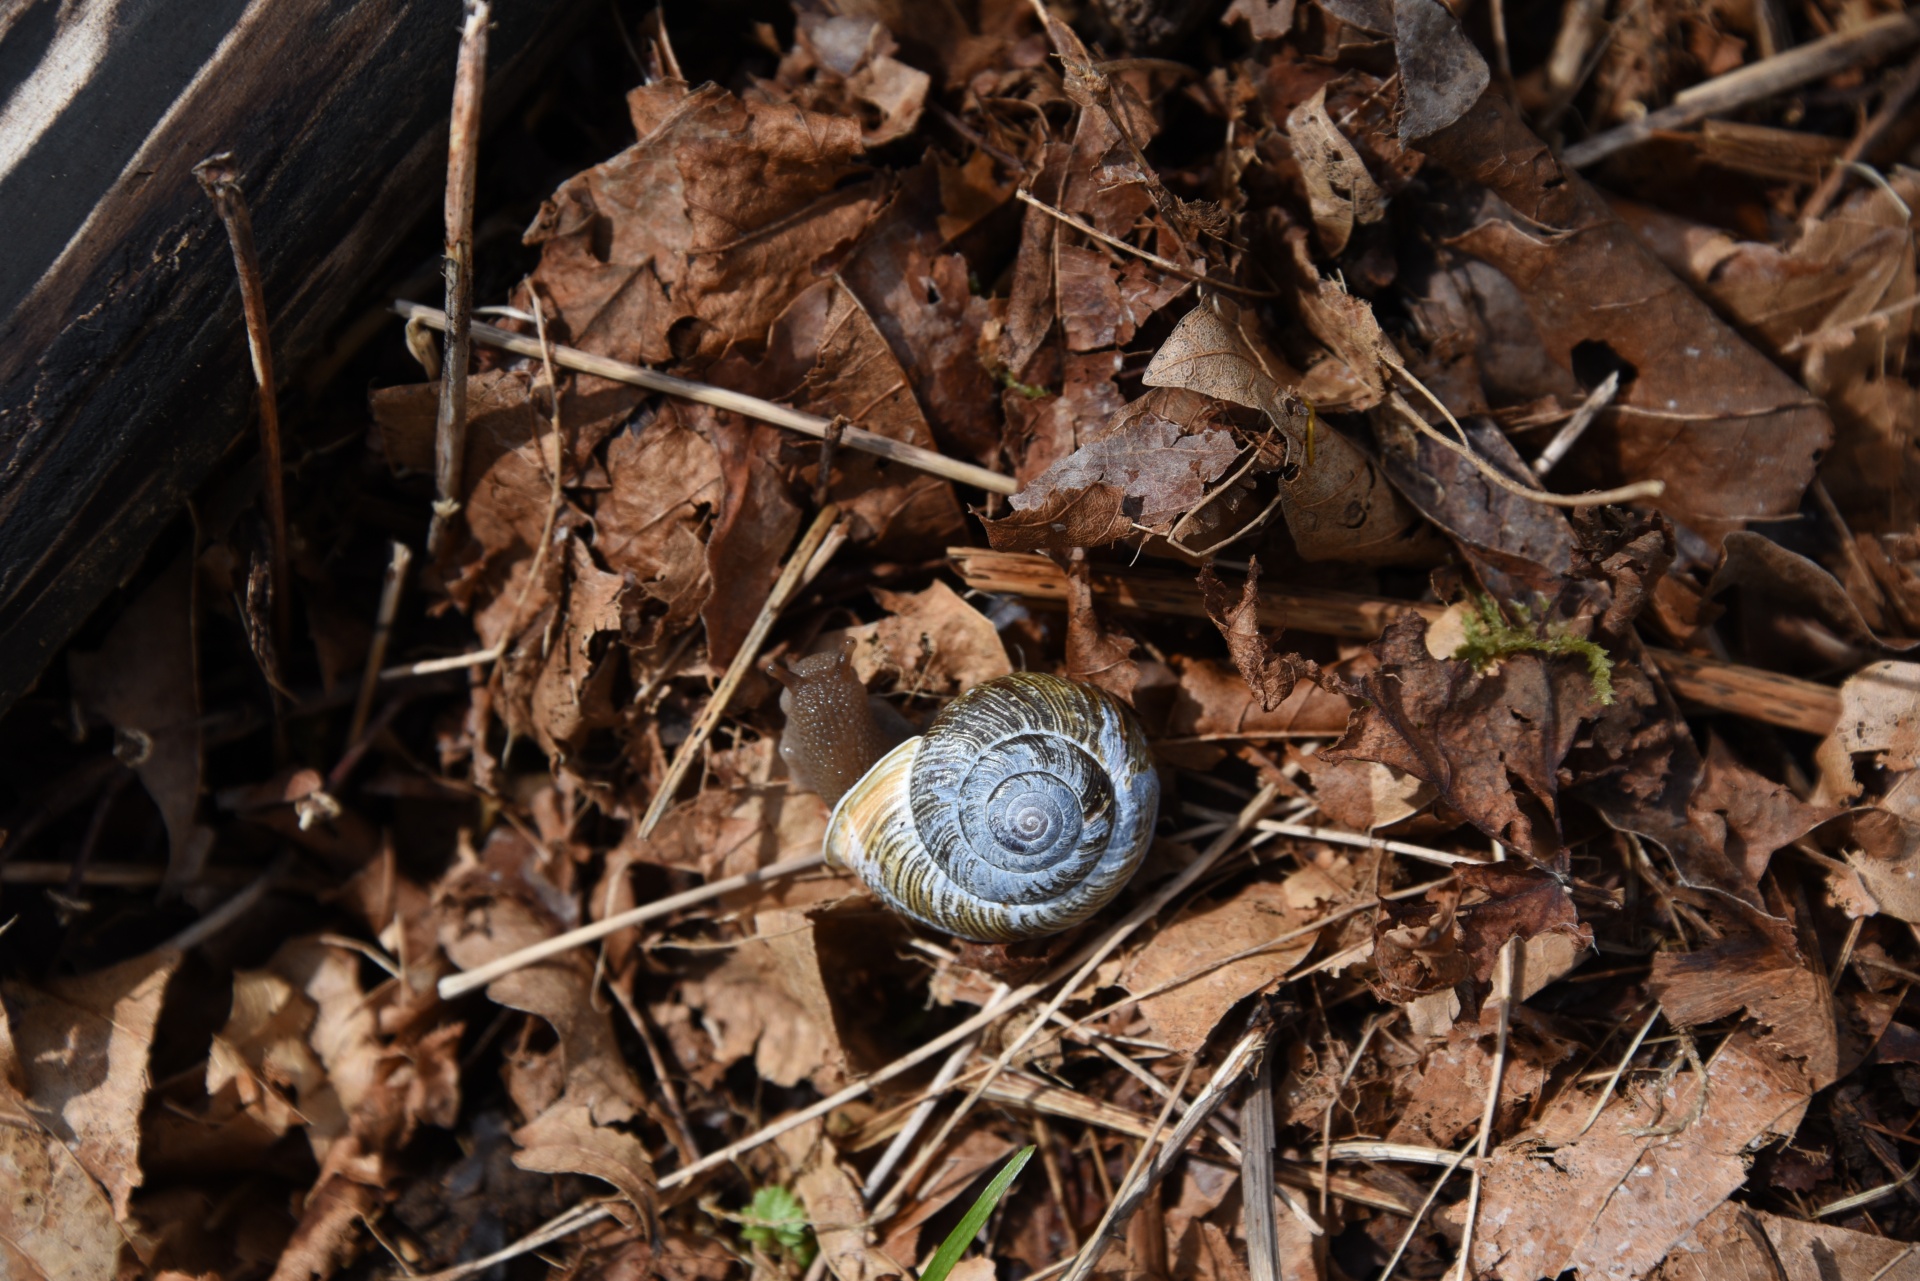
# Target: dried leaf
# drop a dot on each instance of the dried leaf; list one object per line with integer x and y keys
{"x": 1185, "y": 1015}
{"x": 703, "y": 231}
{"x": 752, "y": 534}
{"x": 1340, "y": 191}
{"x": 1337, "y": 504}
{"x": 1265, "y": 19}
{"x": 142, "y": 681}
{"x": 1701, "y": 403}
{"x": 1758, "y": 565}
{"x": 1472, "y": 735}
{"x": 64, "y": 1227}
{"x": 1270, "y": 676}
{"x": 1096, "y": 654}
{"x": 1611, "y": 1203}
{"x": 77, "y": 1055}
{"x": 648, "y": 526}
{"x": 1740, "y": 1243}
{"x": 1160, "y": 472}
{"x": 489, "y": 909}
{"x": 1441, "y": 73}
{"x": 938, "y": 642}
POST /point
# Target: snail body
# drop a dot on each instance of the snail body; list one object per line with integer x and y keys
{"x": 1027, "y": 804}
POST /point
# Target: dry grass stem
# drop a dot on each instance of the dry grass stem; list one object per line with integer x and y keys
{"x": 455, "y": 985}
{"x": 463, "y": 166}
{"x": 1167, "y": 265}
{"x": 1087, "y": 962}
{"x": 1639, "y": 491}
{"x": 1141, "y": 1181}
{"x": 1433, "y": 1193}
{"x": 1103, "y": 1232}
{"x": 1870, "y": 133}
{"x": 390, "y": 589}
{"x": 820, "y": 541}
{"x": 766, "y": 411}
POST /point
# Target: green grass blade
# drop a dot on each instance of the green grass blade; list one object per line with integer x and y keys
{"x": 956, "y": 1243}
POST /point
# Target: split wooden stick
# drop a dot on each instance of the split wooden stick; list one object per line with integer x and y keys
{"x": 1763, "y": 696}
{"x": 765, "y": 411}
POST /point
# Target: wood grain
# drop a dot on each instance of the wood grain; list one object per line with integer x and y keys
{"x": 123, "y": 365}
{"x": 1763, "y": 696}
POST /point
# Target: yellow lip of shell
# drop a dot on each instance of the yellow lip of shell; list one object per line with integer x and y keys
{"x": 860, "y": 824}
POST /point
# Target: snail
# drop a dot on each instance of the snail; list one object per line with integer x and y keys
{"x": 1027, "y": 804}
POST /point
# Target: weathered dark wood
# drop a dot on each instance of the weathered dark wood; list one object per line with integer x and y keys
{"x": 123, "y": 364}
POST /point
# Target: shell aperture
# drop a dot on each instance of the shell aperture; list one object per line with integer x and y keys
{"x": 1026, "y": 806}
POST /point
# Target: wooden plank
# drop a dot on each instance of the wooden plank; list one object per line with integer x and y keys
{"x": 123, "y": 369}
{"x": 1764, "y": 696}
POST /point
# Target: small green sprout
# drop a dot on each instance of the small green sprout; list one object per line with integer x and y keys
{"x": 776, "y": 1222}
{"x": 1490, "y": 638}
{"x": 1031, "y": 391}
{"x": 969, "y": 1227}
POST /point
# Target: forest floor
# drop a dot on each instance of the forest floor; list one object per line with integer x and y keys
{"x": 1482, "y": 447}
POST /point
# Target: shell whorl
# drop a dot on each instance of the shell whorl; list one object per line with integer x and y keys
{"x": 1024, "y": 808}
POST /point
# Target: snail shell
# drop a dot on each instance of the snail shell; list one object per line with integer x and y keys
{"x": 1024, "y": 808}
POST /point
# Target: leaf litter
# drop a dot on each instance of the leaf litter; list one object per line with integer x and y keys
{"x": 1573, "y": 946}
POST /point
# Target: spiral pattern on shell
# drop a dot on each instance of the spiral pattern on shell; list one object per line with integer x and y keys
{"x": 1024, "y": 808}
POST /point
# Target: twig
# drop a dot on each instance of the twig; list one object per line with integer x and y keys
{"x": 1599, "y": 1104}
{"x": 1834, "y": 332}
{"x": 463, "y": 149}
{"x": 390, "y": 589}
{"x": 754, "y": 407}
{"x": 452, "y": 663}
{"x": 1043, "y": 1139}
{"x": 1575, "y": 427}
{"x": 1894, "y": 1262}
{"x": 1333, "y": 836}
{"x": 460, "y": 984}
{"x": 922, "y": 1112}
{"x": 799, "y": 570}
{"x": 221, "y": 182}
{"x": 1637, "y": 491}
{"x": 1326, "y": 1121}
{"x": 1502, "y": 56}
{"x": 1167, "y": 265}
{"x": 1433, "y": 1193}
{"x": 1789, "y": 70}
{"x": 114, "y": 875}
{"x": 1870, "y": 133}
{"x": 228, "y": 912}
